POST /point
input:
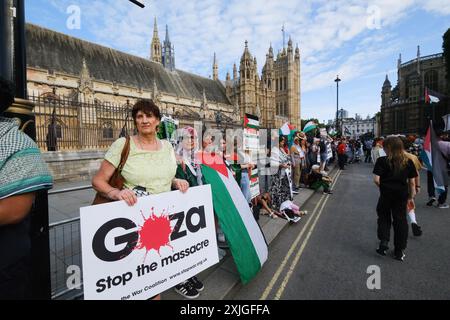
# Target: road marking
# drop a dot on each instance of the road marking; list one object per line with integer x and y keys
{"x": 293, "y": 246}
{"x": 300, "y": 252}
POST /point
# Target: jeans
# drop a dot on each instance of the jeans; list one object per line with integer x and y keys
{"x": 245, "y": 186}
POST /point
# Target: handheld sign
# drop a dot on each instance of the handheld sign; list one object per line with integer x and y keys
{"x": 138, "y": 252}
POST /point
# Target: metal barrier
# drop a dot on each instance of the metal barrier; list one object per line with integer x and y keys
{"x": 65, "y": 251}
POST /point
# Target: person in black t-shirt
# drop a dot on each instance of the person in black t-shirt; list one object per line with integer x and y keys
{"x": 394, "y": 175}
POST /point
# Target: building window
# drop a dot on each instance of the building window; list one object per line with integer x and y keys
{"x": 276, "y": 87}
{"x": 285, "y": 83}
{"x": 431, "y": 80}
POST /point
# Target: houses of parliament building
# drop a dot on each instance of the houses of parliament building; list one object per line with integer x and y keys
{"x": 403, "y": 107}
{"x": 91, "y": 75}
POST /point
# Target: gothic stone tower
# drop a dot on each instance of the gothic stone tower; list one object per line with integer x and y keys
{"x": 155, "y": 51}
{"x": 287, "y": 86}
{"x": 168, "y": 53}
{"x": 276, "y": 96}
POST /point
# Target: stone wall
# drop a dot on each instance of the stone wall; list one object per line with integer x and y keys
{"x": 68, "y": 166}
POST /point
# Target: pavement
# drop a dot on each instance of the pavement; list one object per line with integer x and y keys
{"x": 221, "y": 281}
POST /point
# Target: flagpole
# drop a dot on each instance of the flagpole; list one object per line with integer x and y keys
{"x": 433, "y": 111}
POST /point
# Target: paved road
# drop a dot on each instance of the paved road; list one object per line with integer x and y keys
{"x": 331, "y": 258}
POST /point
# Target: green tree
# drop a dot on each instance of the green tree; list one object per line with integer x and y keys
{"x": 446, "y": 53}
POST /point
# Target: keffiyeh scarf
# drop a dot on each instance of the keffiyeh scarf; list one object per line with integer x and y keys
{"x": 22, "y": 169}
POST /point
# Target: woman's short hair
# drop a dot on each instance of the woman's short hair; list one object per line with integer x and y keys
{"x": 146, "y": 106}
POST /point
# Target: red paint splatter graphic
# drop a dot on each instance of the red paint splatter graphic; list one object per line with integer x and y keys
{"x": 155, "y": 233}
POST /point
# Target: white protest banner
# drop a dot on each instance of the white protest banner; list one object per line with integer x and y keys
{"x": 251, "y": 143}
{"x": 329, "y": 151}
{"x": 140, "y": 251}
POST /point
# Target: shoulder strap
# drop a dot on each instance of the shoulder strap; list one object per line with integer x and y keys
{"x": 125, "y": 153}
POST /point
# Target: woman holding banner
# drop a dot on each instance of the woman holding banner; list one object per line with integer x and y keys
{"x": 189, "y": 169}
{"x": 151, "y": 164}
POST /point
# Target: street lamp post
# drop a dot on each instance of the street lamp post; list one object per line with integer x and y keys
{"x": 6, "y": 34}
{"x": 337, "y": 80}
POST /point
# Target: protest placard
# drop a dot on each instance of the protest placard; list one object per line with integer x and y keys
{"x": 140, "y": 251}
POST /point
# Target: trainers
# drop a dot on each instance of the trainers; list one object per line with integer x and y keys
{"x": 295, "y": 191}
{"x": 328, "y": 192}
{"x": 222, "y": 254}
{"x": 220, "y": 237}
{"x": 187, "y": 290}
{"x": 430, "y": 201}
{"x": 196, "y": 284}
{"x": 399, "y": 255}
{"x": 416, "y": 229}
{"x": 443, "y": 206}
{"x": 382, "y": 248}
{"x": 223, "y": 245}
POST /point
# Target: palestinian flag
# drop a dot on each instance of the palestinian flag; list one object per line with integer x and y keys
{"x": 245, "y": 238}
{"x": 311, "y": 125}
{"x": 432, "y": 96}
{"x": 286, "y": 129}
{"x": 434, "y": 160}
{"x": 251, "y": 121}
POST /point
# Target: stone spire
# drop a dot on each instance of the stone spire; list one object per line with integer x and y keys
{"x": 215, "y": 69}
{"x": 155, "y": 51}
{"x": 418, "y": 59}
{"x": 271, "y": 51}
{"x": 297, "y": 52}
{"x": 168, "y": 54}
{"x": 155, "y": 92}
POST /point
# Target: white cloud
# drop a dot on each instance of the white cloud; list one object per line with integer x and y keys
{"x": 441, "y": 7}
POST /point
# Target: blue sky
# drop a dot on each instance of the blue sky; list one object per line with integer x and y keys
{"x": 358, "y": 39}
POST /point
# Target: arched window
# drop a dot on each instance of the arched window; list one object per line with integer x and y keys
{"x": 49, "y": 97}
{"x": 276, "y": 87}
{"x": 285, "y": 83}
{"x": 431, "y": 80}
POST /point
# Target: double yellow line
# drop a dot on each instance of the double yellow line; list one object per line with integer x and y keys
{"x": 322, "y": 202}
